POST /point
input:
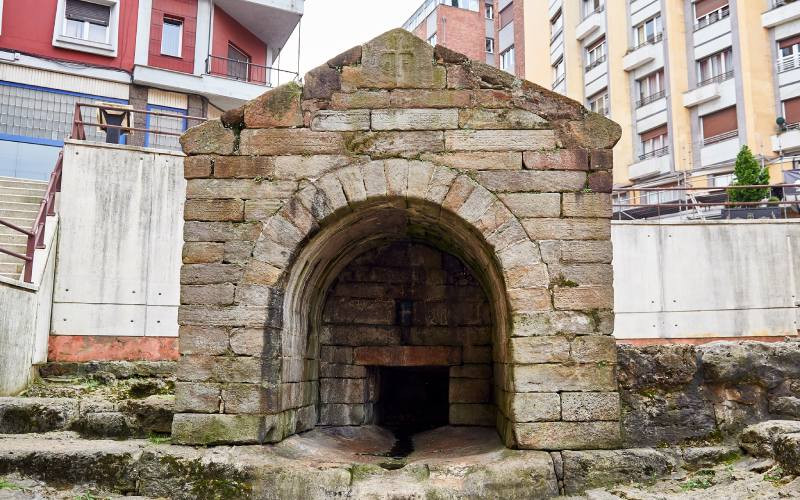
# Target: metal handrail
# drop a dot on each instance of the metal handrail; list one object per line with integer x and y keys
{"x": 245, "y": 71}
{"x": 649, "y": 41}
{"x": 724, "y": 14}
{"x": 720, "y": 137}
{"x": 587, "y": 15}
{"x": 716, "y": 79}
{"x": 654, "y": 153}
{"x": 644, "y": 101}
{"x": 597, "y": 62}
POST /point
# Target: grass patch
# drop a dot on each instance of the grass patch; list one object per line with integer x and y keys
{"x": 159, "y": 438}
{"x": 774, "y": 475}
{"x": 703, "y": 480}
{"x": 8, "y": 485}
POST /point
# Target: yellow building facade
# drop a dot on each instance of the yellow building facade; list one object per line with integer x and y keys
{"x": 689, "y": 81}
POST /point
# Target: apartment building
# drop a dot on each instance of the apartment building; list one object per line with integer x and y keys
{"x": 689, "y": 81}
{"x": 184, "y": 57}
{"x": 491, "y": 31}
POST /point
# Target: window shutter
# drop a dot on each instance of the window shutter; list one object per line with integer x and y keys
{"x": 788, "y": 42}
{"x": 650, "y": 134}
{"x": 791, "y": 109}
{"x": 703, "y": 7}
{"x": 720, "y": 122}
{"x": 80, "y": 10}
{"x": 506, "y": 16}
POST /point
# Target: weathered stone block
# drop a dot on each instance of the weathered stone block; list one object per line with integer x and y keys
{"x": 533, "y": 204}
{"x": 203, "y": 340}
{"x": 397, "y": 59}
{"x": 210, "y": 137}
{"x": 197, "y": 397}
{"x": 321, "y": 82}
{"x": 387, "y": 144}
{"x": 210, "y": 274}
{"x": 250, "y": 399}
{"x": 498, "y": 119}
{"x": 499, "y": 140}
{"x": 342, "y": 390}
{"x": 516, "y": 181}
{"x": 583, "y": 298}
{"x": 342, "y": 414}
{"x": 557, "y": 378}
{"x": 263, "y": 342}
{"x": 546, "y": 349}
{"x": 243, "y": 166}
{"x": 220, "y": 231}
{"x": 568, "y": 229}
{"x": 600, "y": 182}
{"x": 195, "y": 167}
{"x": 472, "y": 414}
{"x": 552, "y": 323}
{"x": 280, "y": 107}
{"x": 531, "y": 276}
{"x": 586, "y": 205}
{"x": 594, "y": 349}
{"x": 220, "y": 295}
{"x": 532, "y": 406}
{"x": 361, "y": 99}
{"x": 359, "y": 335}
{"x": 338, "y": 121}
{"x": 584, "y": 470}
{"x": 581, "y": 274}
{"x": 334, "y": 370}
{"x": 202, "y": 429}
{"x": 530, "y": 300}
{"x": 202, "y": 252}
{"x": 239, "y": 188}
{"x": 290, "y": 142}
{"x": 414, "y": 119}
{"x": 310, "y": 167}
{"x": 558, "y": 159}
{"x": 223, "y": 316}
{"x": 586, "y": 251}
{"x": 407, "y": 356}
{"x": 508, "y": 160}
{"x": 214, "y": 210}
{"x": 471, "y": 371}
{"x": 429, "y": 99}
{"x": 470, "y": 390}
{"x": 590, "y": 406}
{"x": 567, "y": 435}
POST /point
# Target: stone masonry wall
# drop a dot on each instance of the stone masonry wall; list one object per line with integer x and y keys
{"x": 362, "y": 327}
{"x": 391, "y": 141}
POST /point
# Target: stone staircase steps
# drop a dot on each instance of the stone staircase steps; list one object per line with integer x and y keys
{"x": 20, "y": 200}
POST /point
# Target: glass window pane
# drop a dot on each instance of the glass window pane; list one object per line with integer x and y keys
{"x": 171, "y": 37}
{"x": 98, "y": 33}
{"x": 74, "y": 29}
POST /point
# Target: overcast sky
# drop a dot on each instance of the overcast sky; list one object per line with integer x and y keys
{"x": 329, "y": 27}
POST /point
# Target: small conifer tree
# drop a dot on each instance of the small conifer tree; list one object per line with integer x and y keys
{"x": 748, "y": 173}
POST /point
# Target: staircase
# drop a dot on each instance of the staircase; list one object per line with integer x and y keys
{"x": 19, "y": 204}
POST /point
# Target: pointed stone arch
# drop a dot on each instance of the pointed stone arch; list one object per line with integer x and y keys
{"x": 510, "y": 178}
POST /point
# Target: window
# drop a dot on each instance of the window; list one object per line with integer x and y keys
{"x": 649, "y": 31}
{"x": 86, "y": 21}
{"x": 595, "y": 54}
{"x": 789, "y": 53}
{"x": 651, "y": 88}
{"x": 506, "y": 16}
{"x": 559, "y": 70}
{"x": 171, "y": 37}
{"x": 722, "y": 180}
{"x": 432, "y": 39}
{"x": 710, "y": 11}
{"x": 719, "y": 126}
{"x": 791, "y": 111}
{"x": 87, "y": 26}
{"x": 654, "y": 143}
{"x": 490, "y": 45}
{"x": 238, "y": 63}
{"x": 556, "y": 24}
{"x": 507, "y": 60}
{"x": 489, "y": 10}
{"x": 620, "y": 200}
{"x": 599, "y": 102}
{"x": 465, "y": 4}
{"x": 591, "y": 6}
{"x": 715, "y": 68}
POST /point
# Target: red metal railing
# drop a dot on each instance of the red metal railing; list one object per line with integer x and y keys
{"x": 35, "y": 235}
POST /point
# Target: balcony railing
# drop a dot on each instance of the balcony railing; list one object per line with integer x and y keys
{"x": 597, "y": 62}
{"x": 720, "y": 137}
{"x": 587, "y": 15}
{"x": 781, "y": 3}
{"x": 788, "y": 63}
{"x": 559, "y": 81}
{"x": 245, "y": 71}
{"x": 649, "y": 41}
{"x": 645, "y": 100}
{"x": 716, "y": 79}
{"x": 709, "y": 20}
{"x": 654, "y": 153}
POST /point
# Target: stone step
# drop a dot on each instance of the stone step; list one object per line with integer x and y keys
{"x": 13, "y": 239}
{"x": 14, "y": 247}
{"x": 26, "y": 183}
{"x": 90, "y": 417}
{"x": 21, "y": 197}
{"x": 11, "y": 276}
{"x": 22, "y": 191}
{"x": 23, "y": 222}
{"x": 10, "y": 267}
{"x": 119, "y": 370}
{"x": 31, "y": 214}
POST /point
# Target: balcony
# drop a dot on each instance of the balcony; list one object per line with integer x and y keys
{"x": 783, "y": 11}
{"x": 272, "y": 21}
{"x": 706, "y": 91}
{"x": 593, "y": 22}
{"x": 243, "y": 71}
{"x": 788, "y": 140}
{"x": 597, "y": 62}
{"x": 642, "y": 54}
{"x": 719, "y": 149}
{"x": 651, "y": 164}
{"x": 644, "y": 101}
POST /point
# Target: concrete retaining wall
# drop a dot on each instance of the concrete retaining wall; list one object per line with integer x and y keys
{"x": 120, "y": 248}
{"x": 705, "y": 279}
